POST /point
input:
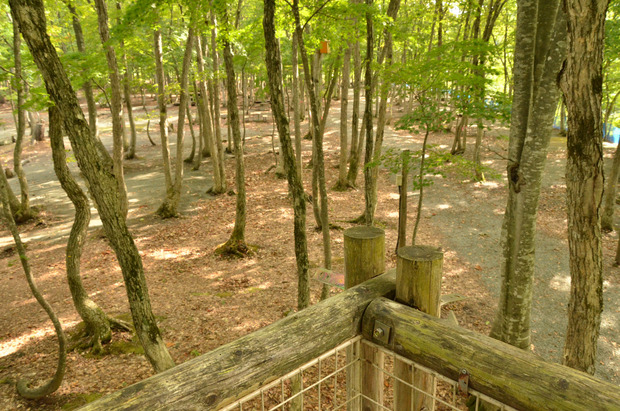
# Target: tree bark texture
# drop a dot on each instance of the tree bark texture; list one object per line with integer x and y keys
{"x": 24, "y": 207}
{"x": 274, "y": 67}
{"x": 170, "y": 206}
{"x": 54, "y": 383}
{"x": 317, "y": 139}
{"x": 87, "y": 86}
{"x": 369, "y": 182}
{"x": 237, "y": 237}
{"x": 95, "y": 320}
{"x": 116, "y": 106}
{"x": 344, "y": 106}
{"x": 215, "y": 94}
{"x": 97, "y": 168}
{"x": 582, "y": 84}
{"x": 539, "y": 52}
{"x": 207, "y": 128}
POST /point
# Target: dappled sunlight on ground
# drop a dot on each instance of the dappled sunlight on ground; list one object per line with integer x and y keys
{"x": 10, "y": 346}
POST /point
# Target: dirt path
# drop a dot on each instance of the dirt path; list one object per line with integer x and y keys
{"x": 468, "y": 217}
{"x": 215, "y": 301}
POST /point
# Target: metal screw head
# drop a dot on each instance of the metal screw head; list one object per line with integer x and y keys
{"x": 378, "y": 332}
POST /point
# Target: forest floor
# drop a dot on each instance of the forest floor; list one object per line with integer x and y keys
{"x": 203, "y": 301}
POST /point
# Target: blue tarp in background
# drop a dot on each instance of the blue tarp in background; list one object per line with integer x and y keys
{"x": 614, "y": 133}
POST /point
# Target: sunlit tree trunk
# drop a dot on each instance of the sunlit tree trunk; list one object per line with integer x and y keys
{"x": 24, "y": 213}
{"x": 539, "y": 53}
{"x": 95, "y": 320}
{"x": 274, "y": 64}
{"x": 582, "y": 84}
{"x": 170, "y": 206}
{"x": 97, "y": 168}
{"x": 317, "y": 139}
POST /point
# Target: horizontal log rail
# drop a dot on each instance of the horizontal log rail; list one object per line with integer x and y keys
{"x": 229, "y": 372}
{"x": 515, "y": 377}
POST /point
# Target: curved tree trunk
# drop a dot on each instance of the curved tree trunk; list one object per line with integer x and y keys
{"x": 274, "y": 64}
{"x": 54, "y": 383}
{"x": 115, "y": 104}
{"x": 95, "y": 320}
{"x": 97, "y": 168}
{"x": 582, "y": 84}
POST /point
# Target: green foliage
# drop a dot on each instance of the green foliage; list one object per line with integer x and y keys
{"x": 437, "y": 163}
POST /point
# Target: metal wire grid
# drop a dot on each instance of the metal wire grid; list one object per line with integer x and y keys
{"x": 446, "y": 394}
{"x": 321, "y": 384}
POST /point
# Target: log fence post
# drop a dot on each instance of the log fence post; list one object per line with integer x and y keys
{"x": 418, "y": 284}
{"x": 364, "y": 258}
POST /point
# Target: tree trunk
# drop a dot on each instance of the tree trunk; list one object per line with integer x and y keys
{"x": 274, "y": 64}
{"x": 97, "y": 168}
{"x": 236, "y": 243}
{"x": 132, "y": 124}
{"x": 607, "y": 217}
{"x": 356, "y": 140}
{"x": 369, "y": 182}
{"x": 95, "y": 320}
{"x": 216, "y": 106}
{"x": 344, "y": 106}
{"x": 387, "y": 51}
{"x": 534, "y": 105}
{"x": 54, "y": 383}
{"x": 296, "y": 109}
{"x": 582, "y": 84}
{"x": 170, "y": 206}
{"x": 317, "y": 141}
{"x": 163, "y": 110}
{"x": 87, "y": 86}
{"x": 115, "y": 104}
{"x": 24, "y": 213}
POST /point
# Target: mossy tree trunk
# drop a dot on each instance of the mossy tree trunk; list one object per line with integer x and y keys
{"x": 274, "y": 72}
{"x": 236, "y": 243}
{"x": 95, "y": 320}
{"x": 97, "y": 168}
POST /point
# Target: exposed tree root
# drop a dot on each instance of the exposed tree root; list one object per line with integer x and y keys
{"x": 233, "y": 249}
{"x": 166, "y": 210}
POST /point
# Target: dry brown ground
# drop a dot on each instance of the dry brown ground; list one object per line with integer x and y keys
{"x": 204, "y": 301}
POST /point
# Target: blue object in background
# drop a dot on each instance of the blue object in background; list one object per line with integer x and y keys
{"x": 614, "y": 133}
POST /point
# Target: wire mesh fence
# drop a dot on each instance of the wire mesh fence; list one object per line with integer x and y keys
{"x": 333, "y": 381}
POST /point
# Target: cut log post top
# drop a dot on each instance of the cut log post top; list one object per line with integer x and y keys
{"x": 364, "y": 254}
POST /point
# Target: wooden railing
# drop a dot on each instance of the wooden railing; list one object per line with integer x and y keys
{"x": 511, "y": 376}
